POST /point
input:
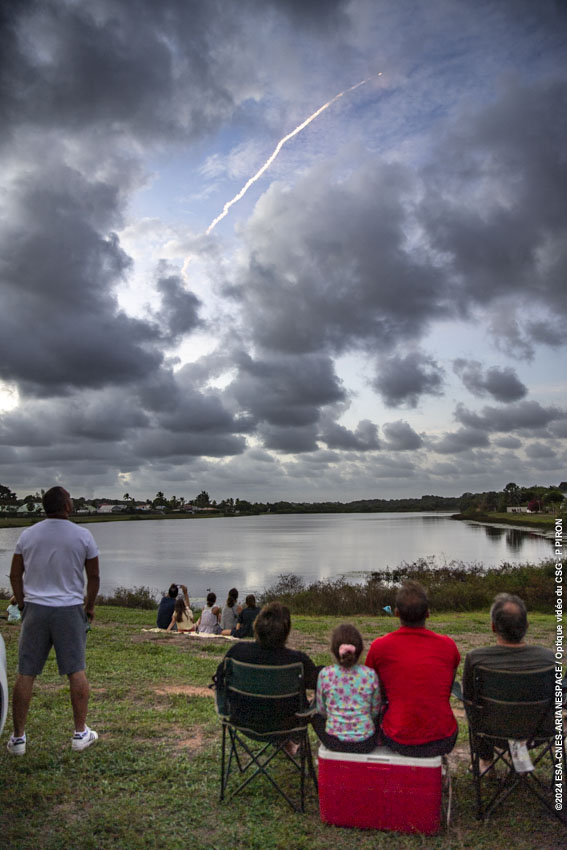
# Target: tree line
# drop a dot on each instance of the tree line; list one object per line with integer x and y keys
{"x": 535, "y": 498}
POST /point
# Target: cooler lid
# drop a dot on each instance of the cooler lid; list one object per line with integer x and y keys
{"x": 380, "y": 755}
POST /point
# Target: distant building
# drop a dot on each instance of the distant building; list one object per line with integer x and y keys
{"x": 30, "y": 508}
{"x": 86, "y": 509}
{"x": 518, "y": 509}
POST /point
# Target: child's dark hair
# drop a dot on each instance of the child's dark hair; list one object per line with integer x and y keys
{"x": 211, "y": 599}
{"x": 346, "y": 644}
{"x": 179, "y": 609}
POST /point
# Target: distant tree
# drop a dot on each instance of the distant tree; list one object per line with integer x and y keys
{"x": 7, "y": 495}
{"x": 243, "y": 506}
{"x": 535, "y": 505}
{"x": 202, "y": 500}
{"x": 513, "y": 492}
{"x": 468, "y": 502}
{"x": 159, "y": 499}
{"x": 554, "y": 497}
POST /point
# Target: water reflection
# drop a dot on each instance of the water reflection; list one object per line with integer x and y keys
{"x": 516, "y": 540}
{"x": 492, "y": 532}
{"x": 250, "y": 553}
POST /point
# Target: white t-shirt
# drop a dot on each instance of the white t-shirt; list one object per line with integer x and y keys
{"x": 54, "y": 553}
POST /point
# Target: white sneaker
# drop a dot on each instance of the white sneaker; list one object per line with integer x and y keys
{"x": 82, "y": 740}
{"x": 16, "y": 746}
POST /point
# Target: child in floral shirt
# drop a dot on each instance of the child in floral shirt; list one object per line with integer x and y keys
{"x": 348, "y": 697}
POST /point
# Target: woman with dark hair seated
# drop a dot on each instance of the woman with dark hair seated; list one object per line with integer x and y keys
{"x": 271, "y": 630}
{"x": 230, "y": 612}
{"x": 245, "y": 621}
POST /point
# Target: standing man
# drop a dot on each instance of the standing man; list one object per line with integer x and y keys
{"x": 416, "y": 668}
{"x": 47, "y": 578}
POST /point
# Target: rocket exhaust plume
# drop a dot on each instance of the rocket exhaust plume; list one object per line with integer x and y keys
{"x": 278, "y": 148}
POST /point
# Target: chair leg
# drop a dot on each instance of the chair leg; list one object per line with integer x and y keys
{"x": 223, "y": 783}
{"x": 258, "y": 764}
{"x": 311, "y": 766}
{"x": 302, "y": 777}
{"x": 475, "y": 761}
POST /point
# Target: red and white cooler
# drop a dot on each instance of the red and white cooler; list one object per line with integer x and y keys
{"x": 380, "y": 790}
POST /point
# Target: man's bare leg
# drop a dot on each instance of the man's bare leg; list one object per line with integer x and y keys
{"x": 79, "y": 686}
{"x": 21, "y": 702}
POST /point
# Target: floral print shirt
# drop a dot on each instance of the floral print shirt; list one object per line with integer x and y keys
{"x": 350, "y": 699}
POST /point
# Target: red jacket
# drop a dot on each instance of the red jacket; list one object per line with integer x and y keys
{"x": 416, "y": 668}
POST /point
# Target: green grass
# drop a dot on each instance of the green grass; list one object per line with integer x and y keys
{"x": 152, "y": 778}
{"x": 540, "y": 521}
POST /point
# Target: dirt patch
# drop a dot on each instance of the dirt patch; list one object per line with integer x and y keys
{"x": 187, "y": 690}
{"x": 194, "y": 743}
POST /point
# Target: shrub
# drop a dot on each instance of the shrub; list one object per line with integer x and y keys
{"x": 456, "y": 586}
{"x": 131, "y": 597}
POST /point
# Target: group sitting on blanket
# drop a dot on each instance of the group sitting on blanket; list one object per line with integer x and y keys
{"x": 175, "y": 614}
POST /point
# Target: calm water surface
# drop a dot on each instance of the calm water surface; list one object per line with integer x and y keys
{"x": 251, "y": 552}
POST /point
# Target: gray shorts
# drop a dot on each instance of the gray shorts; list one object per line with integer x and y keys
{"x": 43, "y": 626}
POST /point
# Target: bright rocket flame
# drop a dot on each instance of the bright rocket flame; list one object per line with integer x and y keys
{"x": 278, "y": 148}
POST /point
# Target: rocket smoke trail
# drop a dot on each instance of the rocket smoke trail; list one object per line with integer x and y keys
{"x": 278, "y": 148}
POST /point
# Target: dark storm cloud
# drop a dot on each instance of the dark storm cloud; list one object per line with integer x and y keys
{"x": 494, "y": 201}
{"x": 175, "y": 446}
{"x": 196, "y": 412}
{"x": 461, "y": 441}
{"x": 146, "y": 69}
{"x": 502, "y": 384}
{"x": 84, "y": 90}
{"x": 539, "y": 450}
{"x": 363, "y": 438}
{"x": 524, "y": 415}
{"x": 401, "y": 437}
{"x": 57, "y": 276}
{"x": 403, "y": 380}
{"x": 558, "y": 429}
{"x": 286, "y": 390}
{"x": 328, "y": 264}
{"x": 105, "y": 416}
{"x": 179, "y": 313}
{"x": 507, "y": 442}
{"x": 291, "y": 439}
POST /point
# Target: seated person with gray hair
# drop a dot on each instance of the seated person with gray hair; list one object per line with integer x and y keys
{"x": 511, "y": 653}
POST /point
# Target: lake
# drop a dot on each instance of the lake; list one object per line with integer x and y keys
{"x": 251, "y": 552}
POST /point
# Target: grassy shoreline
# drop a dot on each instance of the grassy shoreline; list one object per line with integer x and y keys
{"x": 152, "y": 778}
{"x": 524, "y": 522}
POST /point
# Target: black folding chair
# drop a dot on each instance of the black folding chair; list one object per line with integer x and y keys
{"x": 261, "y": 708}
{"x": 516, "y": 706}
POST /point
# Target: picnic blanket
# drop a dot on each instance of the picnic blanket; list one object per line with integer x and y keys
{"x": 190, "y": 634}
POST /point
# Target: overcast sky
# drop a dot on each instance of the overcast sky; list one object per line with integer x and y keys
{"x": 382, "y": 314}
